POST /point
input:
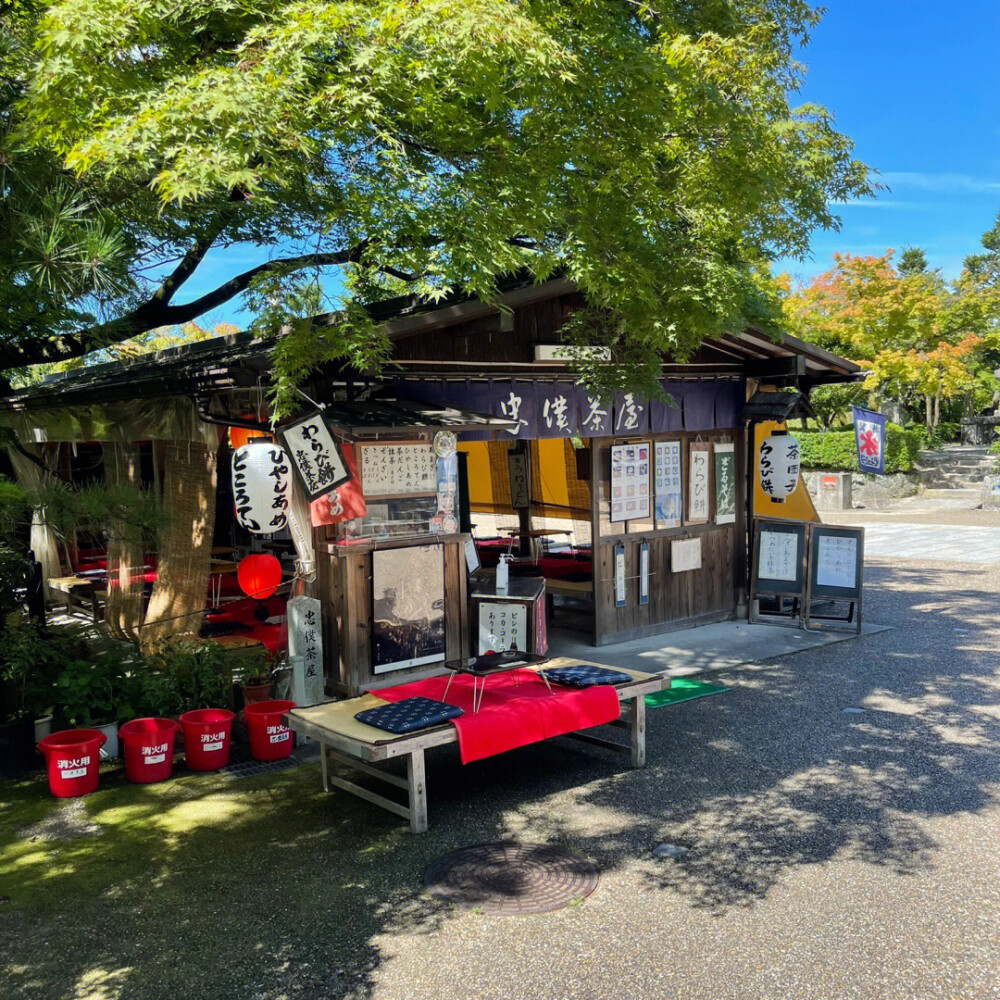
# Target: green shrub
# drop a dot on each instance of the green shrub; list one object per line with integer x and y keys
{"x": 99, "y": 688}
{"x": 837, "y": 449}
{"x": 186, "y": 675}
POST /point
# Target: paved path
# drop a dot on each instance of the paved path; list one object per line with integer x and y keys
{"x": 939, "y": 526}
{"x": 948, "y": 543}
{"x": 840, "y": 809}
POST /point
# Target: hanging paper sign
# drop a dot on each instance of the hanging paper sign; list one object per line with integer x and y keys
{"x": 668, "y": 484}
{"x": 630, "y": 479}
{"x": 644, "y": 573}
{"x": 620, "y": 595}
{"x": 699, "y": 496}
{"x": 401, "y": 469}
{"x": 517, "y": 468}
{"x": 262, "y": 485}
{"x": 869, "y": 432}
{"x": 315, "y": 455}
{"x": 724, "y": 455}
{"x": 305, "y": 650}
{"x": 685, "y": 555}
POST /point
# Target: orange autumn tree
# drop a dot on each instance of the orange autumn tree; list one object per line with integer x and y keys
{"x": 903, "y": 323}
{"x": 943, "y": 373}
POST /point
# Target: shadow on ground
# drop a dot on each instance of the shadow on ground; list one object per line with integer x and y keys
{"x": 266, "y": 888}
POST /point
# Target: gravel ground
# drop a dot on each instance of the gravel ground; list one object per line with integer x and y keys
{"x": 831, "y": 853}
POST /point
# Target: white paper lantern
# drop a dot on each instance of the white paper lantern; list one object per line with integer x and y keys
{"x": 780, "y": 455}
{"x": 262, "y": 484}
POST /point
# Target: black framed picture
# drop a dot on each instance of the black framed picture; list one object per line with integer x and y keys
{"x": 408, "y": 627}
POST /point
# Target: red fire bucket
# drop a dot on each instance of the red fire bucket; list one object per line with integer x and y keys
{"x": 73, "y": 757}
{"x": 149, "y": 749}
{"x": 207, "y": 735}
{"x": 269, "y": 739}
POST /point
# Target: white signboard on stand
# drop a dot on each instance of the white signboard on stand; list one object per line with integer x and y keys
{"x": 779, "y": 556}
{"x": 836, "y": 561}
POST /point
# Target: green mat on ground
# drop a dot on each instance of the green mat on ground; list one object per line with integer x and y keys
{"x": 682, "y": 689}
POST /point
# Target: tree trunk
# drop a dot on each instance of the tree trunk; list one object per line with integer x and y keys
{"x": 177, "y": 605}
{"x": 937, "y": 409}
{"x": 927, "y": 411}
{"x": 123, "y": 610}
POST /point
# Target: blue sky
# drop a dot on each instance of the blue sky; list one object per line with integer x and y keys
{"x": 916, "y": 84}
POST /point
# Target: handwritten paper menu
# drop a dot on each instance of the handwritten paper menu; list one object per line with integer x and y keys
{"x": 397, "y": 469}
{"x": 502, "y": 626}
{"x": 315, "y": 456}
{"x": 698, "y": 483}
{"x": 630, "y": 481}
{"x": 668, "y": 483}
{"x": 837, "y": 561}
{"x": 779, "y": 556}
{"x": 725, "y": 482}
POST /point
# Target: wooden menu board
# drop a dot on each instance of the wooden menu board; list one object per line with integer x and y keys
{"x": 397, "y": 469}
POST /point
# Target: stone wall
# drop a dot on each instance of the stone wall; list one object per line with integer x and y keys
{"x": 867, "y": 490}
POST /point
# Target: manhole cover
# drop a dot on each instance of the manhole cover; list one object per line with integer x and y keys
{"x": 511, "y": 878}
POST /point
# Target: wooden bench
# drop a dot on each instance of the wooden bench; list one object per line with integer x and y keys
{"x": 80, "y": 591}
{"x": 346, "y": 742}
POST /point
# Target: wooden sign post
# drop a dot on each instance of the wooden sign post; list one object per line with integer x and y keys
{"x": 836, "y": 564}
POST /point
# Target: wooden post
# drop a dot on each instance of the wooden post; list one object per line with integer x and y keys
{"x": 417, "y": 784}
{"x": 637, "y": 729}
{"x": 324, "y": 766}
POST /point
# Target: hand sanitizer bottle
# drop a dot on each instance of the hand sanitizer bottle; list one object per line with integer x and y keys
{"x": 502, "y": 574}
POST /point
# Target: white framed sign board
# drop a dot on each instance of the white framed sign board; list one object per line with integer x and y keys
{"x": 630, "y": 481}
{"x": 503, "y": 625}
{"x": 397, "y": 469}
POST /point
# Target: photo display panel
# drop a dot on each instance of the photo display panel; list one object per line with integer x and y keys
{"x": 669, "y": 493}
{"x": 630, "y": 481}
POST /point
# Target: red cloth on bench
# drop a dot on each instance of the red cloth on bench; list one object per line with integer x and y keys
{"x": 516, "y": 710}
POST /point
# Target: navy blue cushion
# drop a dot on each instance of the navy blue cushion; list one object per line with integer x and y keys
{"x": 408, "y": 715}
{"x": 585, "y": 677}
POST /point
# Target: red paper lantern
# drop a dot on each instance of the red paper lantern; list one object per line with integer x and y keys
{"x": 259, "y": 575}
{"x": 239, "y": 436}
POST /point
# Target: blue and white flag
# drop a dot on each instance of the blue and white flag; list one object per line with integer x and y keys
{"x": 869, "y": 431}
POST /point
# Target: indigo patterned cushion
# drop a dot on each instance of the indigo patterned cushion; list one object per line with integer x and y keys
{"x": 584, "y": 676}
{"x": 408, "y": 715}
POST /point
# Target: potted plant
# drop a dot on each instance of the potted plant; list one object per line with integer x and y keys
{"x": 30, "y": 660}
{"x": 253, "y": 670}
{"x": 97, "y": 694}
